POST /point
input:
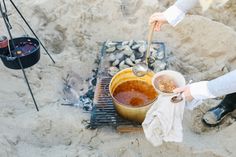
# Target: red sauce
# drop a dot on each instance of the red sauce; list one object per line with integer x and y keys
{"x": 135, "y": 93}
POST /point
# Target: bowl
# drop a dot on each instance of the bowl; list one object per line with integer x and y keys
{"x": 174, "y": 76}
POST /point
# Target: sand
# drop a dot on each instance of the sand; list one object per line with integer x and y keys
{"x": 73, "y": 31}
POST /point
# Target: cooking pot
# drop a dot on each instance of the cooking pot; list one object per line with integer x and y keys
{"x": 133, "y": 113}
{"x": 27, "y": 49}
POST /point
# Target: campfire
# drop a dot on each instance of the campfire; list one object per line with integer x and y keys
{"x": 114, "y": 57}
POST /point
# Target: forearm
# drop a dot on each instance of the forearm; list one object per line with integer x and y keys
{"x": 223, "y": 85}
{"x": 220, "y": 86}
{"x": 176, "y": 12}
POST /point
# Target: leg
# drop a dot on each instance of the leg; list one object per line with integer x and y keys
{"x": 216, "y": 114}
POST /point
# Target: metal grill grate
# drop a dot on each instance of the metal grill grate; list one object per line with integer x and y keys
{"x": 104, "y": 113}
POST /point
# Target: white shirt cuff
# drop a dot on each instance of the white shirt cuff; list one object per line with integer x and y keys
{"x": 199, "y": 90}
{"x": 173, "y": 15}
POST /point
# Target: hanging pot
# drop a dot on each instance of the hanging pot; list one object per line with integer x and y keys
{"x": 27, "y": 49}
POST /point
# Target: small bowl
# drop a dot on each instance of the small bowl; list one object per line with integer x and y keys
{"x": 177, "y": 77}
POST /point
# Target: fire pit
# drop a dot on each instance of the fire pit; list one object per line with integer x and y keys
{"x": 114, "y": 57}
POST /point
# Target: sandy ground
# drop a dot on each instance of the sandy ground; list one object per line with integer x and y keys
{"x": 73, "y": 31}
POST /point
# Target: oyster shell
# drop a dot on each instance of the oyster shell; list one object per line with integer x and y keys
{"x": 111, "y": 49}
{"x": 125, "y": 43}
{"x": 113, "y": 70}
{"x": 122, "y": 63}
{"x": 132, "y": 57}
{"x": 137, "y": 61}
{"x": 120, "y": 47}
{"x": 160, "y": 55}
{"x": 109, "y": 44}
{"x": 112, "y": 57}
{"x": 116, "y": 62}
{"x": 129, "y": 62}
{"x": 136, "y": 46}
{"x": 142, "y": 48}
{"x": 128, "y": 52}
{"x": 120, "y": 56}
{"x": 123, "y": 67}
{"x": 131, "y": 42}
{"x": 158, "y": 66}
{"x": 138, "y": 54}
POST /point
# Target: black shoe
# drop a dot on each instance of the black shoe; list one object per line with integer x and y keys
{"x": 216, "y": 114}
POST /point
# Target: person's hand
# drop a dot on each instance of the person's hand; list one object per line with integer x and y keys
{"x": 159, "y": 19}
{"x": 185, "y": 92}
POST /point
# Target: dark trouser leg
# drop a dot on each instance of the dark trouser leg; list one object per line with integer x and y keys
{"x": 216, "y": 114}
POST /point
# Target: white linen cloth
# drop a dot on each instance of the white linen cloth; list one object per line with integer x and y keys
{"x": 163, "y": 121}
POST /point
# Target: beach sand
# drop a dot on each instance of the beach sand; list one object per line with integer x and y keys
{"x": 73, "y": 32}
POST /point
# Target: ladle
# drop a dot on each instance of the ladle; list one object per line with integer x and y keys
{"x": 178, "y": 98}
{"x": 142, "y": 69}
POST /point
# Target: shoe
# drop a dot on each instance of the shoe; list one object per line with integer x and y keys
{"x": 216, "y": 114}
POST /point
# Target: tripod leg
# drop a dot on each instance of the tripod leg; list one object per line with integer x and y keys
{"x": 31, "y": 30}
{"x": 6, "y": 16}
{"x": 27, "y": 82}
{"x": 5, "y": 19}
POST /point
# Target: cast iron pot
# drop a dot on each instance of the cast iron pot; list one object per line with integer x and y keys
{"x": 27, "y": 49}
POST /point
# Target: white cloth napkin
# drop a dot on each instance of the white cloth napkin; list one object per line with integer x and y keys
{"x": 163, "y": 121}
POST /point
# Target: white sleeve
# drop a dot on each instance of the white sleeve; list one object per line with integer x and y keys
{"x": 200, "y": 91}
{"x": 173, "y": 15}
{"x": 224, "y": 84}
{"x": 176, "y": 12}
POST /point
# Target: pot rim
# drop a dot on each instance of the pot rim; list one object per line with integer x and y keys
{"x": 125, "y": 105}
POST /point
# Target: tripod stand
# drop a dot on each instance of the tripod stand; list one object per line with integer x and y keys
{"x": 11, "y": 50}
